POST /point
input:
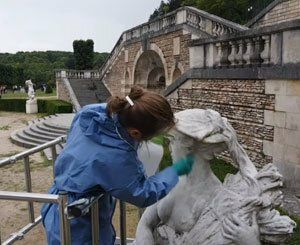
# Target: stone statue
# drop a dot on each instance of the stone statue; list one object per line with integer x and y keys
{"x": 203, "y": 210}
{"x": 31, "y": 93}
{"x": 31, "y": 103}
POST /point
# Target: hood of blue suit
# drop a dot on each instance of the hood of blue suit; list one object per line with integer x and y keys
{"x": 99, "y": 126}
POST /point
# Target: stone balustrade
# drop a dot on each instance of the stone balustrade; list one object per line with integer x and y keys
{"x": 263, "y": 47}
{"x": 192, "y": 17}
{"x": 77, "y": 74}
{"x": 186, "y": 15}
{"x": 248, "y": 51}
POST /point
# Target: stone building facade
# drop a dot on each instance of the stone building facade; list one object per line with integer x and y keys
{"x": 250, "y": 75}
{"x": 156, "y": 53}
{"x": 278, "y": 11}
{"x": 242, "y": 102}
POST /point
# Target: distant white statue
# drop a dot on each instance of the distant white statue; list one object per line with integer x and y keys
{"x": 31, "y": 93}
{"x": 31, "y": 103}
{"x": 201, "y": 210}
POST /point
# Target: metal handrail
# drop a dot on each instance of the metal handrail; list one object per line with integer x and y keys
{"x": 61, "y": 200}
{"x": 19, "y": 156}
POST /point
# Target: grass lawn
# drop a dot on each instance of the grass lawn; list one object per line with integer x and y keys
{"x": 220, "y": 169}
{"x": 38, "y": 94}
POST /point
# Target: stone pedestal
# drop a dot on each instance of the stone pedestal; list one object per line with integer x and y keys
{"x": 31, "y": 106}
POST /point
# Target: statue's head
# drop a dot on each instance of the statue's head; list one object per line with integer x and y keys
{"x": 198, "y": 131}
{"x": 28, "y": 82}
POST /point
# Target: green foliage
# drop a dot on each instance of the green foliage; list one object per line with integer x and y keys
{"x": 44, "y": 106}
{"x": 295, "y": 239}
{"x": 38, "y": 94}
{"x": 38, "y": 66}
{"x": 49, "y": 89}
{"x": 239, "y": 11}
{"x": 10, "y": 75}
{"x": 222, "y": 168}
{"x": 54, "y": 106}
{"x": 166, "y": 159}
{"x": 17, "y": 105}
{"x": 83, "y": 54}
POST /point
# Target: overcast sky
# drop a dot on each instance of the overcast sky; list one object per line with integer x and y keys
{"x": 27, "y": 25}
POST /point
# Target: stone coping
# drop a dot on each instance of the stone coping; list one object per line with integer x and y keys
{"x": 290, "y": 71}
{"x": 266, "y": 30}
{"x": 200, "y": 12}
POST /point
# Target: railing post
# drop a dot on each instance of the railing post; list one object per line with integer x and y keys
{"x": 266, "y": 52}
{"x": 232, "y": 57}
{"x": 54, "y": 157}
{"x": 95, "y": 223}
{"x": 65, "y": 229}
{"x": 28, "y": 188}
{"x": 240, "y": 54}
{"x": 123, "y": 222}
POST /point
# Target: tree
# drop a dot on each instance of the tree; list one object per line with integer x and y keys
{"x": 83, "y": 54}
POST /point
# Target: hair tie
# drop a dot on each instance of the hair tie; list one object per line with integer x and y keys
{"x": 129, "y": 100}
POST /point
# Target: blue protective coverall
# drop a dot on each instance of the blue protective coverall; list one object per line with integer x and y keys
{"x": 100, "y": 156}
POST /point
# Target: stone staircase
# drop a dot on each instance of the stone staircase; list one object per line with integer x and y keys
{"x": 89, "y": 91}
{"x": 42, "y": 130}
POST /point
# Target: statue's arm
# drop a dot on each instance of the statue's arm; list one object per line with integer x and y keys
{"x": 144, "y": 232}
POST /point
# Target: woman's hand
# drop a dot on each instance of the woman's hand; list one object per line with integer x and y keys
{"x": 239, "y": 232}
{"x": 184, "y": 165}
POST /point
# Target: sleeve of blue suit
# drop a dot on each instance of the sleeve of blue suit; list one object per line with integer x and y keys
{"x": 130, "y": 184}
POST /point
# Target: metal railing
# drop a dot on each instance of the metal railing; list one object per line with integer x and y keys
{"x": 61, "y": 199}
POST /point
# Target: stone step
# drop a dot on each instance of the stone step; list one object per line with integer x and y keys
{"x": 30, "y": 139}
{"x": 41, "y": 136}
{"x": 54, "y": 126}
{"x": 37, "y": 130}
{"x": 43, "y": 127}
{"x": 20, "y": 142}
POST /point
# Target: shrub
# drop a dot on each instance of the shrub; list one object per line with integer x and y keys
{"x": 17, "y": 105}
{"x": 49, "y": 89}
{"x": 54, "y": 106}
{"x": 44, "y": 106}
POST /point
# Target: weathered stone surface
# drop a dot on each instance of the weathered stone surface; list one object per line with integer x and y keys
{"x": 291, "y": 48}
{"x": 243, "y": 102}
{"x": 283, "y": 11}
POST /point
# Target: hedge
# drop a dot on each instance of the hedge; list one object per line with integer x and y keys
{"x": 44, "y": 106}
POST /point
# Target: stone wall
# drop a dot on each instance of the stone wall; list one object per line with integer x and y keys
{"x": 172, "y": 49}
{"x": 284, "y": 11}
{"x": 62, "y": 92}
{"x": 265, "y": 114}
{"x": 285, "y": 118}
{"x": 243, "y": 102}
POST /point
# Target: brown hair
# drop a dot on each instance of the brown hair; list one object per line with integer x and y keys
{"x": 150, "y": 114}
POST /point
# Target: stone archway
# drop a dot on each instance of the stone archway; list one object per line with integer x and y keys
{"x": 150, "y": 72}
{"x": 150, "y": 69}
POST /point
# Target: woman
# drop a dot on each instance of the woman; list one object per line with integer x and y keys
{"x": 100, "y": 156}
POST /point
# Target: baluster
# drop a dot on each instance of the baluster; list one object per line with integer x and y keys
{"x": 233, "y": 54}
{"x": 249, "y": 51}
{"x": 266, "y": 54}
{"x": 255, "y": 57}
{"x": 224, "y": 54}
{"x": 218, "y": 56}
{"x": 241, "y": 50}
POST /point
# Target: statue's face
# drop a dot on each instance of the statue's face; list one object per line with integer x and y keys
{"x": 182, "y": 145}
